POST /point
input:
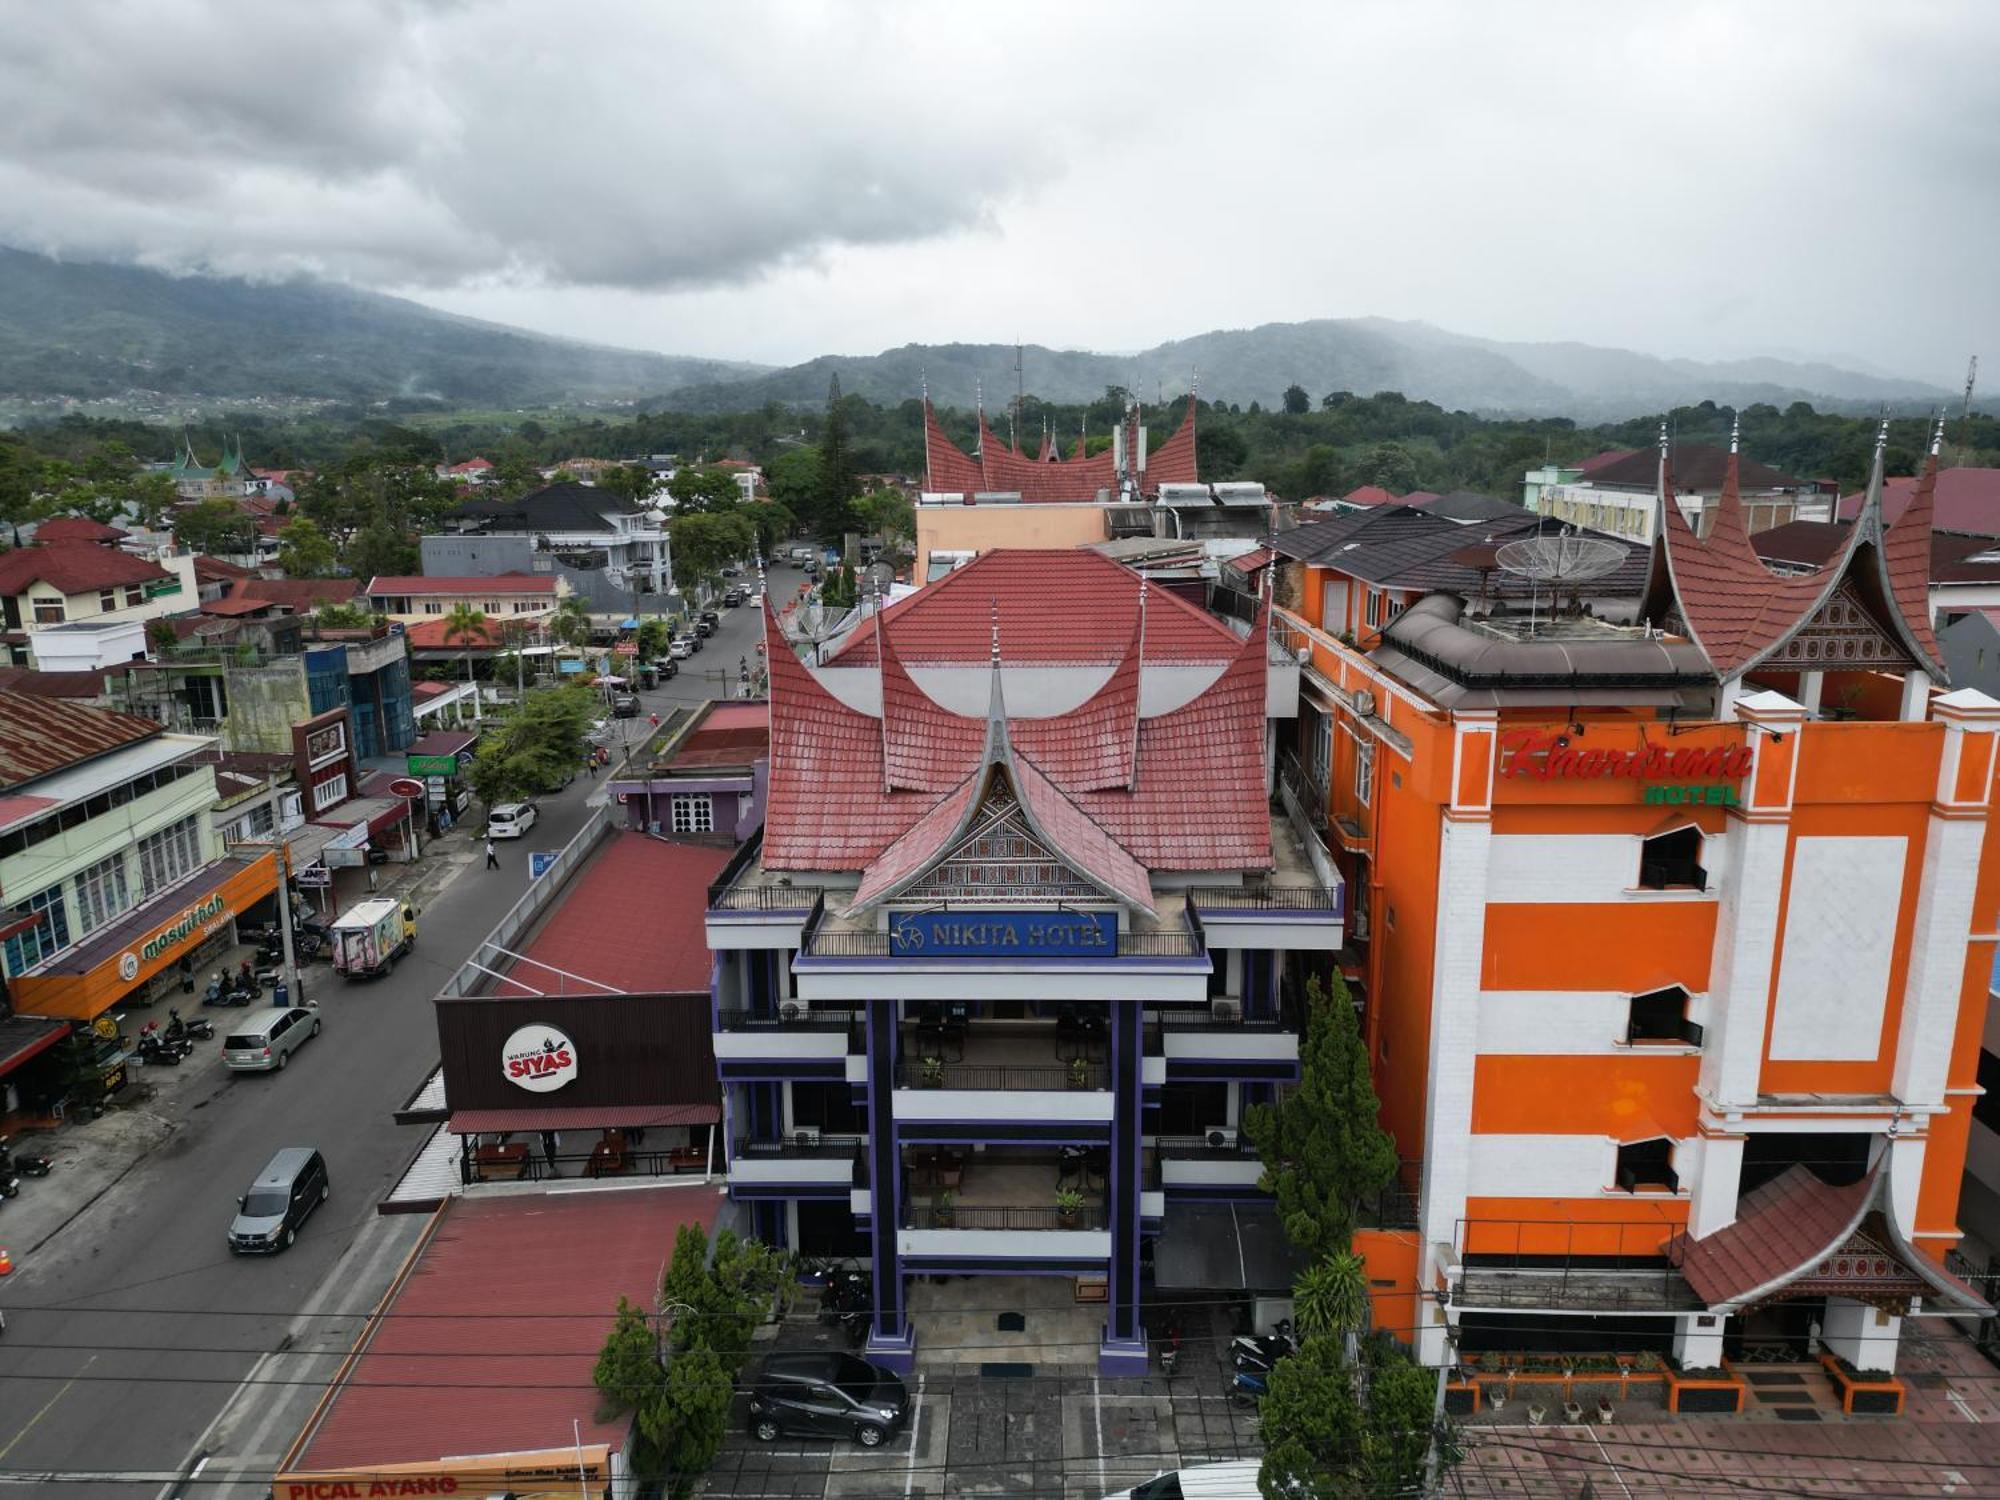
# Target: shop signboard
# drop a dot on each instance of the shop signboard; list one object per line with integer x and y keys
{"x": 539, "y": 861}
{"x": 346, "y": 849}
{"x": 200, "y": 918}
{"x": 1666, "y": 774}
{"x": 432, "y": 765}
{"x": 1004, "y": 934}
{"x": 313, "y": 877}
{"x": 538, "y": 1058}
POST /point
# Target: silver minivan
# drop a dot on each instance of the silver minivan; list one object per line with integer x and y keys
{"x": 264, "y": 1039}
{"x": 292, "y": 1184}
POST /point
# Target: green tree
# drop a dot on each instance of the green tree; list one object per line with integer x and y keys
{"x": 467, "y": 626}
{"x": 1322, "y": 1145}
{"x": 1331, "y": 1297}
{"x": 1310, "y": 1422}
{"x": 702, "y": 491}
{"x": 685, "y": 1429}
{"x": 571, "y": 622}
{"x": 628, "y": 1371}
{"x": 653, "y": 638}
{"x": 534, "y": 744}
{"x": 381, "y": 549}
{"x": 1396, "y": 1427}
{"x": 888, "y": 514}
{"x": 830, "y": 518}
{"x": 795, "y": 479}
{"x": 1390, "y": 465}
{"x": 774, "y": 523}
{"x": 1297, "y": 402}
{"x": 303, "y": 550}
{"x": 705, "y": 543}
{"x": 633, "y": 482}
{"x": 214, "y": 525}
{"x": 342, "y": 617}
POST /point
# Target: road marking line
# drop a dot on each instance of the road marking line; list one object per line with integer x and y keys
{"x": 1097, "y": 1417}
{"x": 916, "y": 1417}
{"x": 15, "y": 1441}
{"x": 1608, "y": 1463}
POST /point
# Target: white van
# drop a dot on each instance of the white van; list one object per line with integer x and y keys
{"x": 1235, "y": 1480}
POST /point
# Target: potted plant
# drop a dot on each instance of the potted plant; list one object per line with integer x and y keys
{"x": 933, "y": 1074}
{"x": 1069, "y": 1207}
{"x": 943, "y": 1210}
{"x": 1079, "y": 1073}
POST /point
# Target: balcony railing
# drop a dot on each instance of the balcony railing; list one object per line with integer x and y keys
{"x": 727, "y": 895}
{"x": 1081, "y": 1076}
{"x": 821, "y": 944}
{"x": 799, "y": 1147}
{"x": 1166, "y": 1018}
{"x": 919, "y": 1213}
{"x": 818, "y": 1018}
{"x": 1219, "y": 898}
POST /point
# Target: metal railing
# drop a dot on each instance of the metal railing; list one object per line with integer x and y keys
{"x": 819, "y": 944}
{"x": 477, "y": 973}
{"x": 1262, "y": 898}
{"x": 537, "y": 1165}
{"x": 799, "y": 1147}
{"x": 1166, "y": 1018}
{"x": 817, "y": 1018}
{"x": 919, "y": 1214}
{"x": 1310, "y": 790}
{"x": 765, "y": 898}
{"x": 935, "y": 1074}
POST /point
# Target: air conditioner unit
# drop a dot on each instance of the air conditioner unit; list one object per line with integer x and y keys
{"x": 1221, "y": 1137}
{"x": 791, "y": 1011}
{"x": 805, "y": 1135}
{"x": 1364, "y": 702}
{"x": 1225, "y": 1008}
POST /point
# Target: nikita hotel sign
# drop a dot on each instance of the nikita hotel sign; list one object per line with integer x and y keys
{"x": 1670, "y": 774}
{"x": 1004, "y": 934}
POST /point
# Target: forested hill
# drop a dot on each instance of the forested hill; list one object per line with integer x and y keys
{"x": 97, "y": 330}
{"x": 1363, "y": 355}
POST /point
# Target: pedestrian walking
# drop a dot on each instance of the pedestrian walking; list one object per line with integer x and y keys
{"x": 187, "y": 976}
{"x": 551, "y": 1143}
{"x": 492, "y": 854}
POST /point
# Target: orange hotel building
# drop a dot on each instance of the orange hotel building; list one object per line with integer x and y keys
{"x": 1672, "y": 942}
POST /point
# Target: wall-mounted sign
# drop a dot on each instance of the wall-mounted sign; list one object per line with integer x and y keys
{"x": 538, "y": 1058}
{"x": 158, "y": 588}
{"x": 1549, "y": 755}
{"x": 1676, "y": 795}
{"x": 313, "y": 877}
{"x": 189, "y": 923}
{"x": 406, "y": 787}
{"x": 1003, "y": 934}
{"x": 327, "y": 744}
{"x": 431, "y": 765}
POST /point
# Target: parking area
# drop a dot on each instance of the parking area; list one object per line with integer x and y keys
{"x": 1044, "y": 1430}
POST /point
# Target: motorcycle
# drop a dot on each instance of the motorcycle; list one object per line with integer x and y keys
{"x": 1253, "y": 1351}
{"x": 200, "y": 1029}
{"x": 1170, "y": 1347}
{"x": 10, "y": 1181}
{"x": 218, "y": 990}
{"x": 1248, "y": 1387}
{"x": 848, "y": 1290}
{"x": 155, "y": 1050}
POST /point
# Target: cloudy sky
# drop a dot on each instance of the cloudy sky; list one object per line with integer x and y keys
{"x": 775, "y": 180}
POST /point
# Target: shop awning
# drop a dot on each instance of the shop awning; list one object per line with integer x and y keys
{"x": 1224, "y": 1247}
{"x": 138, "y": 924}
{"x": 24, "y": 1037}
{"x": 582, "y": 1117}
{"x": 381, "y": 814}
{"x": 442, "y": 742}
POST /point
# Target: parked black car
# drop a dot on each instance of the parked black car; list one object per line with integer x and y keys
{"x": 667, "y": 667}
{"x": 704, "y": 628}
{"x": 732, "y": 598}
{"x": 826, "y": 1393}
{"x": 625, "y": 706}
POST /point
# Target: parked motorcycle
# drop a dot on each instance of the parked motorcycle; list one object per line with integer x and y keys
{"x": 1254, "y": 1351}
{"x": 848, "y": 1290}
{"x": 200, "y": 1029}
{"x": 156, "y": 1051}
{"x": 10, "y": 1181}
{"x": 1170, "y": 1347}
{"x": 1248, "y": 1387}
{"x": 218, "y": 991}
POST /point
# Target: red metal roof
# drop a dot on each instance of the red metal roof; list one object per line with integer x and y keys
{"x": 437, "y": 635}
{"x": 301, "y": 594}
{"x": 24, "y": 1037}
{"x": 498, "y": 583}
{"x": 441, "y": 742}
{"x": 1057, "y": 607}
{"x": 729, "y": 734}
{"x": 41, "y": 735}
{"x": 1965, "y": 499}
{"x": 213, "y": 569}
{"x": 77, "y": 529}
{"x": 632, "y": 919}
{"x": 1253, "y": 561}
{"x": 21, "y": 806}
{"x": 582, "y": 1117}
{"x": 1001, "y": 469}
{"x": 1369, "y": 494}
{"x": 74, "y": 569}
{"x": 227, "y": 607}
{"x": 489, "y": 1344}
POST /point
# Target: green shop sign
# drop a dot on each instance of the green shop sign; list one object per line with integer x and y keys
{"x": 191, "y": 920}
{"x": 433, "y": 765}
{"x": 160, "y": 587}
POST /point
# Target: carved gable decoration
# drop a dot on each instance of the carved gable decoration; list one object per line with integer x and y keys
{"x": 1863, "y": 1267}
{"x": 1841, "y": 636}
{"x": 1000, "y": 860}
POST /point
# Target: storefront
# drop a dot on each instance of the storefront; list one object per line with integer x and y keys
{"x": 442, "y": 760}
{"x": 543, "y": 1474}
{"x": 189, "y": 922}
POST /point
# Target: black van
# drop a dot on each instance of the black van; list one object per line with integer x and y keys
{"x": 290, "y": 1187}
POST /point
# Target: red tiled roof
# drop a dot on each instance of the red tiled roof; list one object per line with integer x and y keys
{"x": 1092, "y": 746}
{"x": 431, "y": 635}
{"x": 503, "y": 1286}
{"x": 301, "y": 594}
{"x": 1000, "y": 469}
{"x": 41, "y": 735}
{"x": 236, "y": 606}
{"x": 441, "y": 742}
{"x": 74, "y": 569}
{"x": 1906, "y": 563}
{"x": 472, "y": 466}
{"x": 950, "y": 622}
{"x": 1369, "y": 494}
{"x": 1701, "y": 468}
{"x": 1075, "y": 836}
{"x": 1251, "y": 562}
{"x": 925, "y": 746}
{"x": 1780, "y": 1228}
{"x": 1604, "y": 460}
{"x": 1965, "y": 499}
{"x": 632, "y": 919}
{"x": 925, "y": 841}
{"x": 77, "y": 529}
{"x": 429, "y": 690}
{"x": 214, "y": 570}
{"x": 498, "y": 583}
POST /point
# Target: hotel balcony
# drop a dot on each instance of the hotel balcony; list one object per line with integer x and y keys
{"x": 997, "y": 1210}
{"x": 751, "y": 907}
{"x": 1004, "y": 1081}
{"x": 1216, "y": 1043}
{"x": 800, "y": 1041}
{"x": 800, "y": 1166}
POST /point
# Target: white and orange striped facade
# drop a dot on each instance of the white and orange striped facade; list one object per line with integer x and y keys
{"x": 1627, "y": 967}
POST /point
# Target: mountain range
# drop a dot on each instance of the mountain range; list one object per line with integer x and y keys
{"x": 71, "y": 329}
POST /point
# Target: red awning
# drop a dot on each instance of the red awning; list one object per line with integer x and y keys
{"x": 582, "y": 1117}
{"x": 23, "y": 1037}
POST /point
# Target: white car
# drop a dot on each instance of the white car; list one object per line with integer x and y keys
{"x": 682, "y": 648}
{"x": 1234, "y": 1480}
{"x": 510, "y": 820}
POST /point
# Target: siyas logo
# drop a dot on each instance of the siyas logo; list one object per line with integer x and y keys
{"x": 539, "y": 1059}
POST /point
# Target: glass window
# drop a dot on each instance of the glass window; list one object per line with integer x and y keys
{"x": 101, "y": 893}
{"x": 49, "y": 612}
{"x": 1364, "y": 773}
{"x": 107, "y": 600}
{"x": 170, "y": 854}
{"x": 1671, "y": 861}
{"x": 330, "y": 791}
{"x": 134, "y": 596}
{"x": 48, "y": 936}
{"x": 693, "y": 814}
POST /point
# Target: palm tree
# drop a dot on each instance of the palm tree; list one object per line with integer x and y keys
{"x": 468, "y": 625}
{"x": 571, "y": 622}
{"x": 1332, "y": 1297}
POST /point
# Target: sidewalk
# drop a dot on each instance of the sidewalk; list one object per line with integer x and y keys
{"x": 92, "y": 1156}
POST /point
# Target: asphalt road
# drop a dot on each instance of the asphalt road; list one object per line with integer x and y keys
{"x": 131, "y": 1330}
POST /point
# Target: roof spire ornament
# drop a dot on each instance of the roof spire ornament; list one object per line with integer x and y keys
{"x": 1735, "y": 430}
{"x": 998, "y": 750}
{"x": 1937, "y": 434}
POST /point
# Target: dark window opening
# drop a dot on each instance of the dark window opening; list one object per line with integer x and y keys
{"x": 828, "y": 1106}
{"x": 1671, "y": 861}
{"x": 1218, "y": 974}
{"x": 1648, "y": 1165}
{"x": 1986, "y": 1108}
{"x": 1191, "y": 1108}
{"x": 1838, "y": 1158}
{"x": 1661, "y": 1016}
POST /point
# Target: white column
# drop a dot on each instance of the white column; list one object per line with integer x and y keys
{"x": 1712, "y": 1193}
{"x": 1916, "y": 697}
{"x": 1810, "y": 685}
{"x": 1698, "y": 1340}
{"x": 1864, "y": 1336}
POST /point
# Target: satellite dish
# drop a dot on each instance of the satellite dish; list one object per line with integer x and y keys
{"x": 1561, "y": 560}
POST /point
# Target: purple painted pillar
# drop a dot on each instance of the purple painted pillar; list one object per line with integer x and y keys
{"x": 1123, "y": 1351}
{"x": 891, "y": 1341}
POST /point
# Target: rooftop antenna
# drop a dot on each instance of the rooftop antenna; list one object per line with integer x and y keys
{"x": 1565, "y": 558}
{"x": 1020, "y": 400}
{"x": 1965, "y": 411}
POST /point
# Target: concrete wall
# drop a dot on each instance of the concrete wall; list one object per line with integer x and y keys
{"x": 981, "y": 528}
{"x": 451, "y": 556}
{"x": 264, "y": 703}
